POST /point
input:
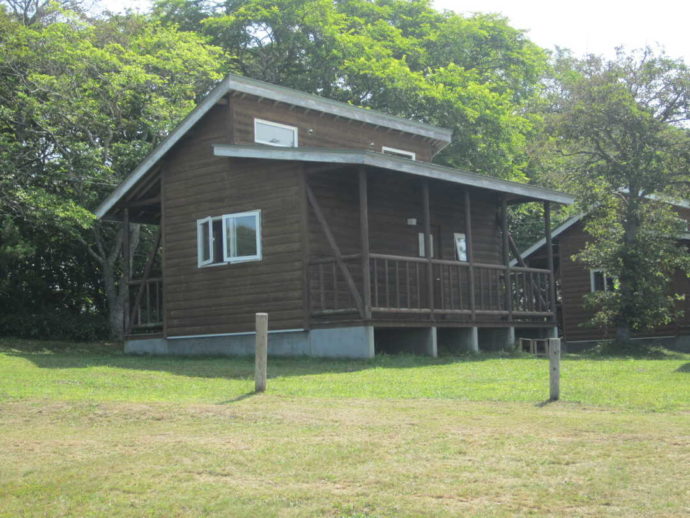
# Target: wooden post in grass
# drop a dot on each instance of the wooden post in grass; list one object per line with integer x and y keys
{"x": 261, "y": 352}
{"x": 554, "y": 347}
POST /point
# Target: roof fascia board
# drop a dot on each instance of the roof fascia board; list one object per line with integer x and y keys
{"x": 322, "y": 104}
{"x": 393, "y": 163}
{"x": 204, "y": 106}
{"x": 557, "y": 232}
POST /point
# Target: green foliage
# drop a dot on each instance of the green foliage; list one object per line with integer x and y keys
{"x": 620, "y": 129}
{"x": 81, "y": 103}
{"x": 403, "y": 57}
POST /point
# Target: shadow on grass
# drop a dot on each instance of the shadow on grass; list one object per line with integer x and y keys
{"x": 241, "y": 397}
{"x": 59, "y": 355}
{"x": 684, "y": 368}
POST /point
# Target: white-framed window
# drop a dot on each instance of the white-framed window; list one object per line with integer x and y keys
{"x": 274, "y": 134}
{"x": 422, "y": 244}
{"x": 230, "y": 238}
{"x": 600, "y": 281}
{"x": 460, "y": 246}
{"x": 398, "y": 152}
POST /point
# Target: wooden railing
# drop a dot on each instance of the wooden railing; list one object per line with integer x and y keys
{"x": 146, "y": 303}
{"x": 329, "y": 292}
{"x": 401, "y": 285}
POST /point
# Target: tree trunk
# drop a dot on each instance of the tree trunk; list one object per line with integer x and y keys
{"x": 628, "y": 271}
{"x": 116, "y": 291}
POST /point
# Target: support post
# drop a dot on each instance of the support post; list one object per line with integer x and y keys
{"x": 364, "y": 235}
{"x": 306, "y": 252}
{"x": 470, "y": 254}
{"x": 126, "y": 273}
{"x": 427, "y": 244}
{"x": 506, "y": 260}
{"x": 554, "y": 368}
{"x": 549, "y": 257}
{"x": 261, "y": 352}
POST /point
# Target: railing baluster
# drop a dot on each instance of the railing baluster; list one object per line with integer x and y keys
{"x": 397, "y": 284}
{"x": 388, "y": 298}
{"x": 407, "y": 284}
{"x": 376, "y": 282}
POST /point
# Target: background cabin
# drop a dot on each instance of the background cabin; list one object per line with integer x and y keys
{"x": 575, "y": 280}
{"x": 333, "y": 220}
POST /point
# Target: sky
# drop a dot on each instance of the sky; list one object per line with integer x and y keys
{"x": 584, "y": 26}
{"x": 589, "y": 26}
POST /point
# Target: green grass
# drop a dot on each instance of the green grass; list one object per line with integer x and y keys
{"x": 87, "y": 431}
{"x": 55, "y": 371}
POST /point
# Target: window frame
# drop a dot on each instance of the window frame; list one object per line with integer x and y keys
{"x": 397, "y": 152}
{"x": 276, "y": 125}
{"x": 225, "y": 236}
{"x": 199, "y": 242}
{"x": 243, "y": 258}
{"x": 605, "y": 277}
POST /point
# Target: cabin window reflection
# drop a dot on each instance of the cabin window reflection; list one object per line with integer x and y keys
{"x": 460, "y": 246}
{"x": 230, "y": 238}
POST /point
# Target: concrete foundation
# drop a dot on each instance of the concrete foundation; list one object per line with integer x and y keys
{"x": 342, "y": 342}
{"x": 456, "y": 340}
{"x": 409, "y": 340}
{"x": 497, "y": 338}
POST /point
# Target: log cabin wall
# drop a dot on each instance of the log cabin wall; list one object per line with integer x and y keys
{"x": 319, "y": 129}
{"x": 575, "y": 284}
{"x": 224, "y": 298}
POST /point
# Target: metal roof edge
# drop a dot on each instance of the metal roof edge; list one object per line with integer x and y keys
{"x": 277, "y": 93}
{"x": 556, "y": 232}
{"x": 404, "y": 165}
{"x": 316, "y": 102}
{"x": 157, "y": 153}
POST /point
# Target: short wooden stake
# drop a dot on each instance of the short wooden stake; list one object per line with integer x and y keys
{"x": 261, "y": 352}
{"x": 554, "y": 347}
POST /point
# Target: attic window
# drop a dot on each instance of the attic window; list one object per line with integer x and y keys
{"x": 398, "y": 152}
{"x": 231, "y": 238}
{"x": 274, "y": 134}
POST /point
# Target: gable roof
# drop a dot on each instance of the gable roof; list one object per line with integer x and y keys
{"x": 574, "y": 219}
{"x": 556, "y": 232}
{"x": 392, "y": 163}
{"x": 234, "y": 83}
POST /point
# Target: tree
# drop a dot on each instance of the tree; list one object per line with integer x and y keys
{"x": 622, "y": 125}
{"x": 81, "y": 103}
{"x": 472, "y": 74}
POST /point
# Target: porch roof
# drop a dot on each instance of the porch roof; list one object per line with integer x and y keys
{"x": 393, "y": 163}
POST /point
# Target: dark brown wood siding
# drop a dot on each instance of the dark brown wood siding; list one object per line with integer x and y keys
{"x": 575, "y": 284}
{"x": 321, "y": 130}
{"x": 224, "y": 298}
{"x": 393, "y": 199}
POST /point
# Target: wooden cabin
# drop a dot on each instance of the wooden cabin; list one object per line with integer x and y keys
{"x": 330, "y": 218}
{"x": 575, "y": 280}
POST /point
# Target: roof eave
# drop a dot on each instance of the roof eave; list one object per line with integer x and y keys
{"x": 403, "y": 165}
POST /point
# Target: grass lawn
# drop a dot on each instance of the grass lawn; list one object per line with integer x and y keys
{"x": 86, "y": 431}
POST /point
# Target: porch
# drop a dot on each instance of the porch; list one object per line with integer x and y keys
{"x": 383, "y": 283}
